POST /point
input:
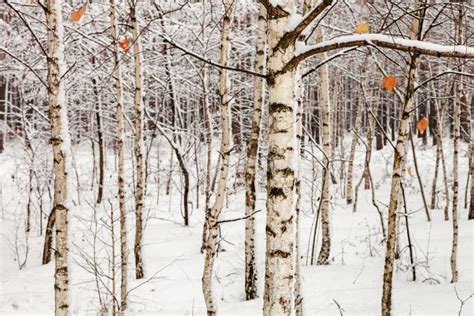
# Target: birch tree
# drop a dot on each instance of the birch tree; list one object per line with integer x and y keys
{"x": 471, "y": 150}
{"x": 251, "y": 166}
{"x": 282, "y": 79}
{"x": 225, "y": 148}
{"x": 61, "y": 143}
{"x": 456, "y": 139}
{"x": 326, "y": 139}
{"x": 138, "y": 148}
{"x": 117, "y": 76}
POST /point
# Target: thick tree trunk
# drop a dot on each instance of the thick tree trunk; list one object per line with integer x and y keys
{"x": 225, "y": 148}
{"x": 120, "y": 158}
{"x": 283, "y": 160}
{"x": 251, "y": 166}
{"x": 61, "y": 152}
{"x": 138, "y": 144}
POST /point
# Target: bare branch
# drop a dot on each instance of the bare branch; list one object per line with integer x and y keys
{"x": 210, "y": 62}
{"x": 25, "y": 64}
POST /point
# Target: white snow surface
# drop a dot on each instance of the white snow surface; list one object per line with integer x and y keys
{"x": 172, "y": 251}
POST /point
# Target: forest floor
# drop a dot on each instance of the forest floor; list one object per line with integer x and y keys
{"x": 350, "y": 285}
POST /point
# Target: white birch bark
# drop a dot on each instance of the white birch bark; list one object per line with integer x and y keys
{"x": 399, "y": 161}
{"x": 350, "y": 168}
{"x": 225, "y": 148}
{"x": 138, "y": 144}
{"x": 326, "y": 140}
{"x": 251, "y": 166}
{"x": 471, "y": 149}
{"x": 60, "y": 141}
{"x": 120, "y": 157}
{"x": 456, "y": 139}
{"x": 283, "y": 160}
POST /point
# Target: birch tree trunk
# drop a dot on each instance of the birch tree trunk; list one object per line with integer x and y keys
{"x": 225, "y": 148}
{"x": 205, "y": 85}
{"x": 399, "y": 161}
{"x": 350, "y": 168}
{"x": 120, "y": 158}
{"x": 471, "y": 149}
{"x": 326, "y": 139}
{"x": 397, "y": 175}
{"x": 251, "y": 166}
{"x": 138, "y": 144}
{"x": 440, "y": 151}
{"x": 457, "y": 136}
{"x": 283, "y": 159}
{"x": 100, "y": 136}
{"x": 60, "y": 141}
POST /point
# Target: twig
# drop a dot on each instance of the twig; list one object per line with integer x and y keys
{"x": 237, "y": 219}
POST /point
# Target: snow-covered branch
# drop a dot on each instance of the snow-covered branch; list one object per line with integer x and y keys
{"x": 381, "y": 40}
{"x": 293, "y": 34}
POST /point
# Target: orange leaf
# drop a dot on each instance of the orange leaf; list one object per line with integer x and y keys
{"x": 123, "y": 44}
{"x": 362, "y": 27}
{"x": 422, "y": 125}
{"x": 389, "y": 82}
{"x": 77, "y": 14}
{"x": 410, "y": 172}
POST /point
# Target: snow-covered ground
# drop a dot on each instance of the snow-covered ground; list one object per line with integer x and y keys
{"x": 173, "y": 262}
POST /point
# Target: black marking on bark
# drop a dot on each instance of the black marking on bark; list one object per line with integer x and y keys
{"x": 270, "y": 231}
{"x": 277, "y": 192}
{"x": 280, "y": 253}
{"x": 279, "y": 107}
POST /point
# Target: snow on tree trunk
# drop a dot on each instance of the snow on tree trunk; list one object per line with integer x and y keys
{"x": 61, "y": 143}
{"x": 120, "y": 157}
{"x": 138, "y": 144}
{"x": 225, "y": 148}
{"x": 251, "y": 166}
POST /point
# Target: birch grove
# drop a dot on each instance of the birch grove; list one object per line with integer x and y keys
{"x": 228, "y": 142}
